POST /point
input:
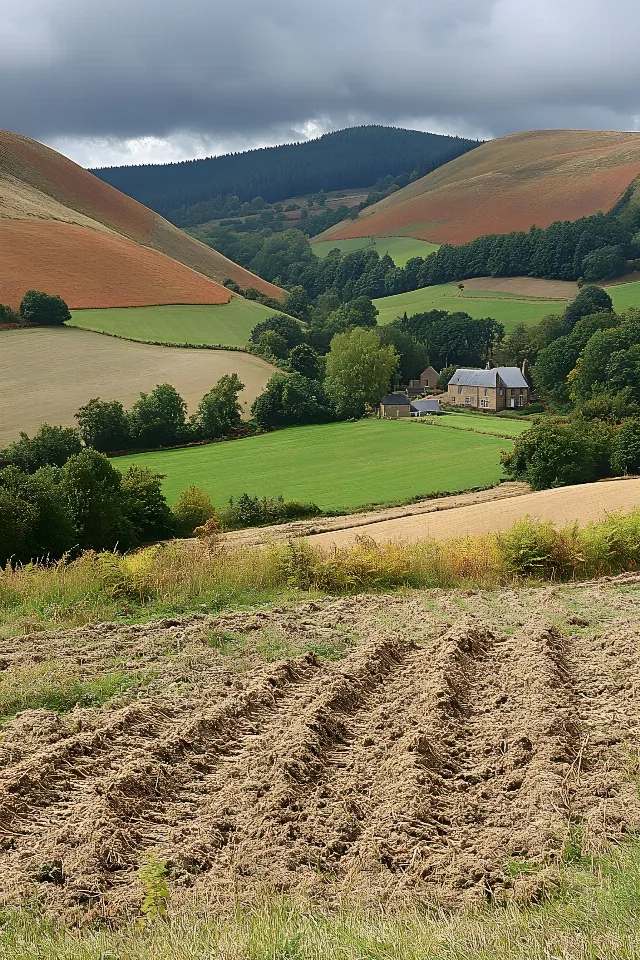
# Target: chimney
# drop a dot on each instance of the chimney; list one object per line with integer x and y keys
{"x": 525, "y": 368}
{"x": 490, "y": 365}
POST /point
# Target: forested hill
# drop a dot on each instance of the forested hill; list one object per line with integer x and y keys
{"x": 355, "y": 157}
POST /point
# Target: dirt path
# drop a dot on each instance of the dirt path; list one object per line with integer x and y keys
{"x": 449, "y": 757}
{"x": 583, "y": 503}
{"x": 306, "y": 528}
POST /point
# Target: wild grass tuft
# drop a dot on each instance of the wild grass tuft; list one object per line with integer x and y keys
{"x": 172, "y": 579}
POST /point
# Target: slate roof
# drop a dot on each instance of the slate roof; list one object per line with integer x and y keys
{"x": 510, "y": 376}
{"x": 426, "y": 406}
{"x": 395, "y": 400}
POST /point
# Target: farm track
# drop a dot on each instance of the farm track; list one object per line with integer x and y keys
{"x": 419, "y": 765}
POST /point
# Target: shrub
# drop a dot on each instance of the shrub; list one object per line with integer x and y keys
{"x": 38, "y": 307}
{"x": 249, "y": 511}
{"x": 192, "y": 509}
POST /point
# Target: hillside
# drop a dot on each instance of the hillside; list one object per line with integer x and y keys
{"x": 65, "y": 231}
{"x": 355, "y": 157}
{"x": 508, "y": 184}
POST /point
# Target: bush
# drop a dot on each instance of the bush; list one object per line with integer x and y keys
{"x": 291, "y": 400}
{"x": 37, "y": 307}
{"x": 8, "y": 315}
{"x": 554, "y": 455}
{"x": 51, "y": 446}
{"x": 192, "y": 509}
{"x": 625, "y": 457}
{"x": 249, "y": 511}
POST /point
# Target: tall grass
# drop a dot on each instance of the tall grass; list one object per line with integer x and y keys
{"x": 594, "y": 913}
{"x": 174, "y": 578}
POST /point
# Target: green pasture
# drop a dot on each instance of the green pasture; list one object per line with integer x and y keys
{"x": 483, "y": 423}
{"x": 508, "y": 308}
{"x": 339, "y": 466}
{"x": 400, "y": 249}
{"x": 625, "y": 295}
{"x": 227, "y": 324}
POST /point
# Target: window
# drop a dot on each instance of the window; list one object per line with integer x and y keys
{"x": 484, "y": 403}
{"x": 486, "y": 392}
{"x": 459, "y": 390}
{"x": 467, "y": 401}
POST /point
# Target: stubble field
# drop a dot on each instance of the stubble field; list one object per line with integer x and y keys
{"x": 45, "y": 375}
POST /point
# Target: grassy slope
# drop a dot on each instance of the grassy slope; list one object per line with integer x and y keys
{"x": 400, "y": 249}
{"x": 339, "y": 466}
{"x": 508, "y": 308}
{"x": 482, "y": 423}
{"x": 625, "y": 295}
{"x": 227, "y": 325}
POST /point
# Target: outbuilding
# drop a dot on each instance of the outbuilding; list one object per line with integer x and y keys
{"x": 394, "y": 406}
{"x": 427, "y": 407}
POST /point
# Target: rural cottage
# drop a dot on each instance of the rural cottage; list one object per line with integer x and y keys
{"x": 498, "y": 388}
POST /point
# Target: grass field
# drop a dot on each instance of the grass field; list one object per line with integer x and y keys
{"x": 47, "y": 374}
{"x": 400, "y": 249}
{"x": 625, "y": 295}
{"x": 508, "y": 308}
{"x": 482, "y": 423}
{"x": 339, "y": 466}
{"x": 227, "y": 325}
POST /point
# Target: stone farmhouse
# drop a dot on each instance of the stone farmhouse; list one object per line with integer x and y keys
{"x": 496, "y": 388}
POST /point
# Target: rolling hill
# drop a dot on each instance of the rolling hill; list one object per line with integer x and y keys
{"x": 508, "y": 184}
{"x": 355, "y": 157}
{"x": 64, "y": 231}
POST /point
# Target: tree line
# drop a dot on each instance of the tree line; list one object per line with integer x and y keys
{"x": 354, "y": 157}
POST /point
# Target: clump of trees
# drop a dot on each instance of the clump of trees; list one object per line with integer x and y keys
{"x": 37, "y": 308}
{"x": 85, "y": 504}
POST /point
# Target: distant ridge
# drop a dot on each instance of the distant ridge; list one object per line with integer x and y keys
{"x": 67, "y": 232}
{"x": 525, "y": 179}
{"x": 355, "y": 157}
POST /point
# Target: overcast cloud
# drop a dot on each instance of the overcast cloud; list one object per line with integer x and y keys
{"x": 110, "y": 81}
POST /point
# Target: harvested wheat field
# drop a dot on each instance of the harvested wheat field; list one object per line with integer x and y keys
{"x": 507, "y": 184}
{"x": 525, "y": 287}
{"x": 377, "y": 748}
{"x": 44, "y": 188}
{"x": 584, "y": 503}
{"x": 45, "y": 375}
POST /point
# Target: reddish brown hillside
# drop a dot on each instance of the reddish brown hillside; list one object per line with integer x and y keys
{"x": 88, "y": 268}
{"x": 508, "y": 184}
{"x": 25, "y": 163}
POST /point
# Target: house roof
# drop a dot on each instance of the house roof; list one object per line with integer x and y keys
{"x": 426, "y": 406}
{"x": 395, "y": 400}
{"x": 510, "y": 376}
{"x": 430, "y": 369}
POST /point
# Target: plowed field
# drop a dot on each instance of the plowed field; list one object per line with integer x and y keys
{"x": 508, "y": 184}
{"x": 88, "y": 268}
{"x": 448, "y": 757}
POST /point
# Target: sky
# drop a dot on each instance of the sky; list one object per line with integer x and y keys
{"x": 148, "y": 81}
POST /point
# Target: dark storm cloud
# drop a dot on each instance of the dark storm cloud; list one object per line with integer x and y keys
{"x": 258, "y": 70}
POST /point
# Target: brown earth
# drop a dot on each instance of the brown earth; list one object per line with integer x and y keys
{"x": 449, "y": 757}
{"x": 525, "y": 287}
{"x": 39, "y": 185}
{"x": 507, "y": 184}
{"x": 47, "y": 374}
{"x": 579, "y": 504}
{"x": 88, "y": 268}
